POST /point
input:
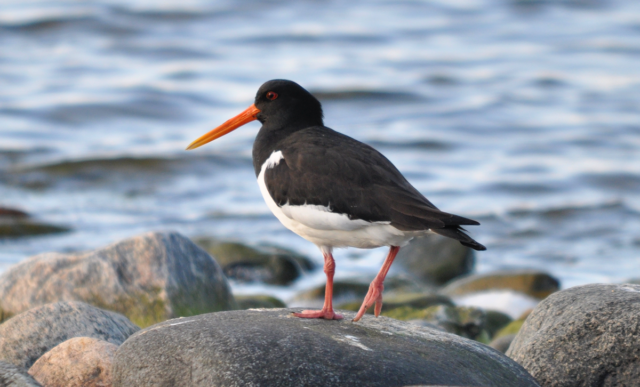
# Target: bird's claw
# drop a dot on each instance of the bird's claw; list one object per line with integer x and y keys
{"x": 374, "y": 296}
{"x": 325, "y": 314}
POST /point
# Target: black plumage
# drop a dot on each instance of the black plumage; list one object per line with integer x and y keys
{"x": 324, "y": 167}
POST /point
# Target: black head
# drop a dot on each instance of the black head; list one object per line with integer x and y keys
{"x": 280, "y": 104}
{"x": 284, "y": 103}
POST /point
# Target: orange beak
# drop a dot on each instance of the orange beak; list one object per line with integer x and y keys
{"x": 245, "y": 117}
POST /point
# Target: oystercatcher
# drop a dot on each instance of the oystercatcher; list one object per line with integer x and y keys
{"x": 332, "y": 190}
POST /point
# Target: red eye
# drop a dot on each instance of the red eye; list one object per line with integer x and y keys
{"x": 272, "y": 95}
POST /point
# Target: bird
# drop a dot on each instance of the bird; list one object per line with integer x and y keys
{"x": 333, "y": 190}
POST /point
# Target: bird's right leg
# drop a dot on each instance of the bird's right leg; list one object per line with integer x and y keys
{"x": 327, "y": 312}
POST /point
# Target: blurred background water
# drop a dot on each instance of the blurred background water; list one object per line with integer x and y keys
{"x": 522, "y": 114}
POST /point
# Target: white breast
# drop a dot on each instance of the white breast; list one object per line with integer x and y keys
{"x": 319, "y": 225}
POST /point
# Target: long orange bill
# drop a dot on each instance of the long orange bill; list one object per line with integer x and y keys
{"x": 245, "y": 117}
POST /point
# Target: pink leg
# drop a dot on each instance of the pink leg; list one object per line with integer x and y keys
{"x": 327, "y": 310}
{"x": 374, "y": 295}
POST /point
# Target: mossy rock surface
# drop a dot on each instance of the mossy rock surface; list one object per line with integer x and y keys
{"x": 148, "y": 278}
{"x": 4, "y": 315}
{"x": 258, "y": 301}
{"x": 510, "y": 329}
{"x": 461, "y": 320}
{"x": 534, "y": 283}
{"x": 268, "y": 264}
{"x": 413, "y": 301}
{"x": 496, "y": 321}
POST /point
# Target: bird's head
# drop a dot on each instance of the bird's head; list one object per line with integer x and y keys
{"x": 279, "y": 104}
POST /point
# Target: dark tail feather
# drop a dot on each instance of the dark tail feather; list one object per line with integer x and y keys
{"x": 458, "y": 233}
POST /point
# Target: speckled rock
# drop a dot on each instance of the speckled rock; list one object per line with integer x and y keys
{"x": 27, "y": 336}
{"x": 77, "y": 362}
{"x": 435, "y": 259}
{"x": 148, "y": 278}
{"x": 531, "y": 282}
{"x": 267, "y": 264}
{"x": 12, "y": 376}
{"x": 271, "y": 348}
{"x": 583, "y": 336}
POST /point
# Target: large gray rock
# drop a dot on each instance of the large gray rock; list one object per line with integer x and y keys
{"x": 149, "y": 278}
{"x": 27, "y": 336}
{"x": 435, "y": 259}
{"x": 12, "y": 376}
{"x": 77, "y": 362}
{"x": 269, "y": 347}
{"x": 583, "y": 336}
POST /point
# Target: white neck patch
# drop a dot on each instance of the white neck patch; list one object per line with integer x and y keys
{"x": 274, "y": 159}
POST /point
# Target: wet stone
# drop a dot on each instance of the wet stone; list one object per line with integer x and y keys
{"x": 534, "y": 283}
{"x": 271, "y": 265}
{"x": 258, "y": 301}
{"x": 435, "y": 259}
{"x": 16, "y": 223}
{"x": 272, "y": 348}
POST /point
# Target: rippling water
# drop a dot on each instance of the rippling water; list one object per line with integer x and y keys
{"x": 523, "y": 115}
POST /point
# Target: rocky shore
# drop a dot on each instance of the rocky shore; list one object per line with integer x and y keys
{"x": 157, "y": 309}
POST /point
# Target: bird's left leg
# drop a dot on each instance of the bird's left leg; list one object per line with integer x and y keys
{"x": 327, "y": 310}
{"x": 374, "y": 295}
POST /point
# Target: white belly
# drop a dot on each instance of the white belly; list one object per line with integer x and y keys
{"x": 319, "y": 225}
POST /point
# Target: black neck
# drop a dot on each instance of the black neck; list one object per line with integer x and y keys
{"x": 268, "y": 139}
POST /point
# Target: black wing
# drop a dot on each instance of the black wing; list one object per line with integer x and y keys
{"x": 327, "y": 168}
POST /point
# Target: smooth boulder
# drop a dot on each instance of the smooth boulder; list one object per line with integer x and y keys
{"x": 583, "y": 336}
{"x": 435, "y": 259}
{"x": 12, "y": 376}
{"x": 27, "y": 336}
{"x": 77, "y": 362}
{"x": 268, "y": 264}
{"x": 534, "y": 283}
{"x": 149, "y": 278}
{"x": 270, "y": 347}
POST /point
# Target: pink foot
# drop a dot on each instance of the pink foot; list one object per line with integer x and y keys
{"x": 327, "y": 315}
{"x": 374, "y": 295}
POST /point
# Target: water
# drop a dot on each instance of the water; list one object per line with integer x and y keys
{"x": 520, "y": 114}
